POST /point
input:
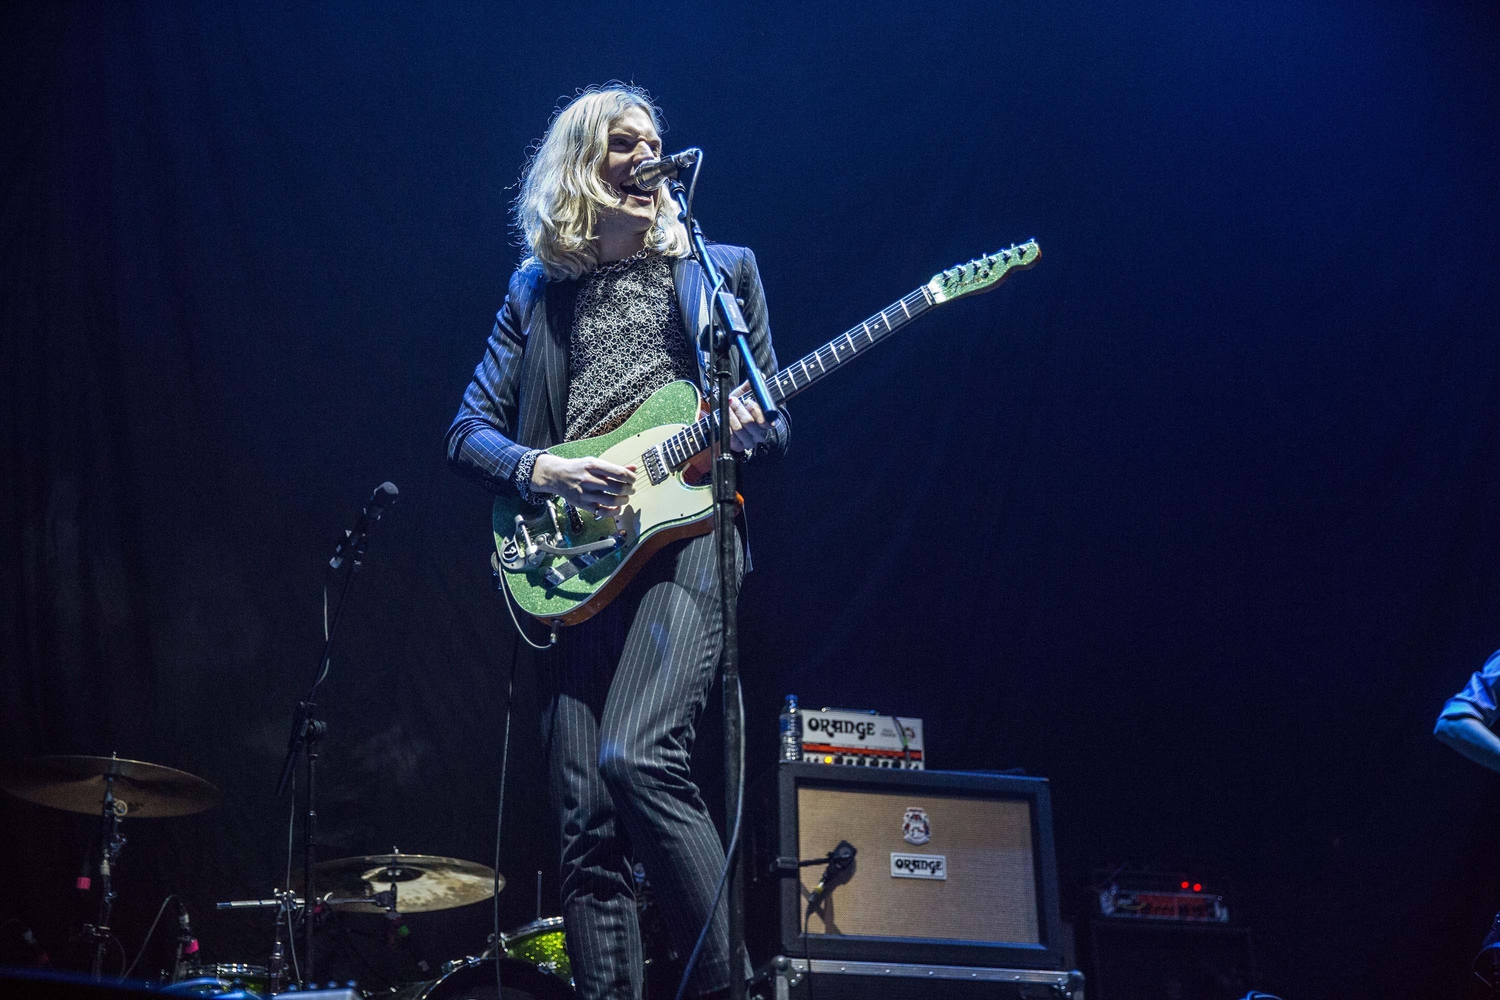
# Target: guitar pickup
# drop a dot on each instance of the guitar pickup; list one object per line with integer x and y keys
{"x": 656, "y": 468}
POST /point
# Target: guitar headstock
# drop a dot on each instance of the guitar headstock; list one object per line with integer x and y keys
{"x": 983, "y": 273}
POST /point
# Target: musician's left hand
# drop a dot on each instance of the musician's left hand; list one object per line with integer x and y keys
{"x": 748, "y": 426}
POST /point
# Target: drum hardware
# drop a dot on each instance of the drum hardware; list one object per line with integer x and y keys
{"x": 112, "y": 841}
{"x": 474, "y": 978}
{"x": 541, "y": 943}
{"x": 223, "y": 980}
{"x": 111, "y": 788}
{"x": 389, "y": 884}
{"x": 414, "y": 883}
{"x": 286, "y": 903}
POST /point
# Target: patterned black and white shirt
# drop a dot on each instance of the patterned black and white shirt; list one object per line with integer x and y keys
{"x": 627, "y": 342}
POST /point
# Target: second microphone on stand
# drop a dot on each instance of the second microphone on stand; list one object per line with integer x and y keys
{"x": 380, "y": 498}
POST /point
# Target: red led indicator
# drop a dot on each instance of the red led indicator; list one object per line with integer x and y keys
{"x": 1184, "y": 885}
{"x": 1197, "y": 887}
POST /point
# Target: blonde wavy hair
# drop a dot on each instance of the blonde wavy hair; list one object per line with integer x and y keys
{"x": 562, "y": 191}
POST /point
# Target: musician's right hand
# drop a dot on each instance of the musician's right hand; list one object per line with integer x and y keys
{"x": 590, "y": 484}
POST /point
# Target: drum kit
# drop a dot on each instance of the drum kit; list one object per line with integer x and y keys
{"x": 533, "y": 959}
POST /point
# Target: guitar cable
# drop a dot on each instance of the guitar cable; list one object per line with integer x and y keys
{"x": 510, "y": 690}
{"x": 503, "y": 585}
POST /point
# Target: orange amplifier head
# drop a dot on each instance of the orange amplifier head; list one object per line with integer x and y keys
{"x": 862, "y": 738}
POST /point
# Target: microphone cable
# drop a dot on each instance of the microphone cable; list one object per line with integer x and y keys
{"x": 692, "y": 187}
{"x": 159, "y": 911}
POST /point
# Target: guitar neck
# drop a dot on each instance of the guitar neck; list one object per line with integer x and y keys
{"x": 842, "y": 349}
{"x": 681, "y": 447}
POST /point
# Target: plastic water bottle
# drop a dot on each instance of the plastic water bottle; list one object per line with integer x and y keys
{"x": 791, "y": 730}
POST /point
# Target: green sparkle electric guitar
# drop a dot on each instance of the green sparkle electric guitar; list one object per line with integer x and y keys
{"x": 563, "y": 565}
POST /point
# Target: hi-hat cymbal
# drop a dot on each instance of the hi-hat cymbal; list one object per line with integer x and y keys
{"x": 421, "y": 883}
{"x": 76, "y": 784}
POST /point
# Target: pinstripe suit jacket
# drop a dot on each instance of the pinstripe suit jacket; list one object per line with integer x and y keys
{"x": 518, "y": 397}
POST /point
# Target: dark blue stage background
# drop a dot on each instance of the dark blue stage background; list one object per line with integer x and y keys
{"x": 1197, "y": 518}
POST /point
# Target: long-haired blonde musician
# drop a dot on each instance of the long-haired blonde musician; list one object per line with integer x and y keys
{"x": 606, "y": 309}
{"x": 566, "y": 188}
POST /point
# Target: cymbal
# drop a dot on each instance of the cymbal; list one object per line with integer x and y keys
{"x": 76, "y": 784}
{"x": 422, "y": 882}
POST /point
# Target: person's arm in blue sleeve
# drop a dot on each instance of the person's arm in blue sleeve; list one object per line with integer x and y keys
{"x": 1466, "y": 719}
{"x": 479, "y": 444}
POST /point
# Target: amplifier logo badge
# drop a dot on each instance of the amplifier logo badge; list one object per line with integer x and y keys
{"x": 919, "y": 866}
{"x": 916, "y": 828}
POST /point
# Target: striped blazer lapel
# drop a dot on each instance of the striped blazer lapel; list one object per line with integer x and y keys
{"x": 556, "y": 335}
{"x": 692, "y": 303}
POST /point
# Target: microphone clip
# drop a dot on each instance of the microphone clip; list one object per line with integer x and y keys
{"x": 352, "y": 545}
{"x": 840, "y": 860}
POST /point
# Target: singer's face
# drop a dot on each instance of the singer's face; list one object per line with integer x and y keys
{"x": 632, "y": 139}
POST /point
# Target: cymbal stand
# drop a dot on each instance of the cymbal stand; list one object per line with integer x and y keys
{"x": 110, "y": 843}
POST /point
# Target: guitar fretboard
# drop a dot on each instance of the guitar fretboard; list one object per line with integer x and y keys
{"x": 794, "y": 378}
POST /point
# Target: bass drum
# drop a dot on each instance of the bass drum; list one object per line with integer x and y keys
{"x": 475, "y": 980}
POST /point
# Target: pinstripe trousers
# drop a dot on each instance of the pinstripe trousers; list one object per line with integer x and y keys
{"x": 623, "y": 695}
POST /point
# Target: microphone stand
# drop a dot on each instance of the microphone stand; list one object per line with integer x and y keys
{"x": 728, "y": 330}
{"x": 308, "y": 732}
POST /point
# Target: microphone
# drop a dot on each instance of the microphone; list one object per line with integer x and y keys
{"x": 840, "y": 859}
{"x": 382, "y": 497}
{"x": 649, "y": 175}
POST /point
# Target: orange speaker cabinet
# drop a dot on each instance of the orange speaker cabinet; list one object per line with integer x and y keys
{"x": 951, "y": 867}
